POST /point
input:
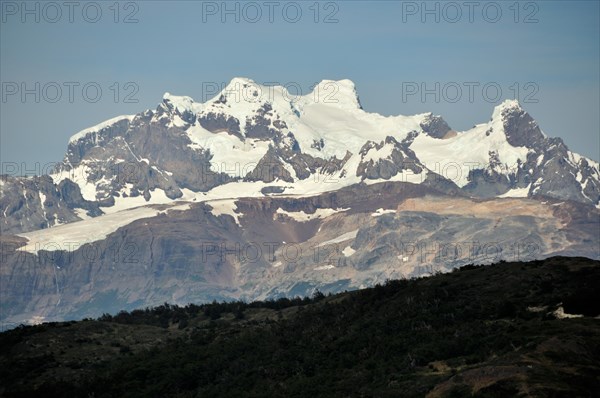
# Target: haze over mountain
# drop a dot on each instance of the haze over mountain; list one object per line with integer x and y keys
{"x": 257, "y": 193}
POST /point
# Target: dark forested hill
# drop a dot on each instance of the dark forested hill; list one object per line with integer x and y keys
{"x": 492, "y": 331}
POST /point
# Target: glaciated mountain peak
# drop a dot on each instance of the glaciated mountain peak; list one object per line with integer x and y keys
{"x": 339, "y": 93}
{"x": 241, "y": 80}
{"x": 181, "y": 104}
{"x": 243, "y": 97}
{"x": 246, "y": 92}
{"x": 507, "y": 106}
{"x": 239, "y": 89}
{"x": 179, "y": 101}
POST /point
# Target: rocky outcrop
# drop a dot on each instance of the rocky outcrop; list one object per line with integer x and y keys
{"x": 264, "y": 124}
{"x": 521, "y": 129}
{"x": 386, "y": 159}
{"x": 550, "y": 169}
{"x": 435, "y": 126}
{"x": 35, "y": 203}
{"x": 218, "y": 122}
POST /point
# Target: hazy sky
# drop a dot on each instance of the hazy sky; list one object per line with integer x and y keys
{"x": 546, "y": 53}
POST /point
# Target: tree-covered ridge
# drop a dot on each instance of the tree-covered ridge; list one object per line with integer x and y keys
{"x": 480, "y": 331}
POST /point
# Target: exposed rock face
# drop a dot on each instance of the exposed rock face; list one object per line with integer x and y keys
{"x": 36, "y": 203}
{"x": 549, "y": 168}
{"x": 521, "y": 129}
{"x": 435, "y": 126}
{"x": 560, "y": 174}
{"x": 264, "y": 124}
{"x": 143, "y": 154}
{"x": 270, "y": 168}
{"x": 217, "y": 123}
{"x": 494, "y": 179}
{"x": 399, "y": 158}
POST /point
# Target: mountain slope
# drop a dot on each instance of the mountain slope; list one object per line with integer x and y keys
{"x": 265, "y": 247}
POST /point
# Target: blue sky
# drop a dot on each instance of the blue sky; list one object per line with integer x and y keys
{"x": 553, "y": 62}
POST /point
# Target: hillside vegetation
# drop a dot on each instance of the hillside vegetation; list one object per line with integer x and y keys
{"x": 482, "y": 331}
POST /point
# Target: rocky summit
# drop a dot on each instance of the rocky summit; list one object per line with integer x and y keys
{"x": 259, "y": 194}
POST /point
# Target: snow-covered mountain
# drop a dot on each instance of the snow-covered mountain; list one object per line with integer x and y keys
{"x": 315, "y": 143}
{"x": 258, "y": 164}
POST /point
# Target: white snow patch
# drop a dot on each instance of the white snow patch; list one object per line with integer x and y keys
{"x": 381, "y": 211}
{"x": 42, "y": 200}
{"x": 348, "y": 251}
{"x": 70, "y": 236}
{"x": 324, "y": 267}
{"x": 230, "y": 154}
{"x": 540, "y": 159}
{"x": 516, "y": 193}
{"x": 57, "y": 221}
{"x": 225, "y": 206}
{"x": 561, "y": 314}
{"x": 301, "y": 216}
{"x": 179, "y": 122}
